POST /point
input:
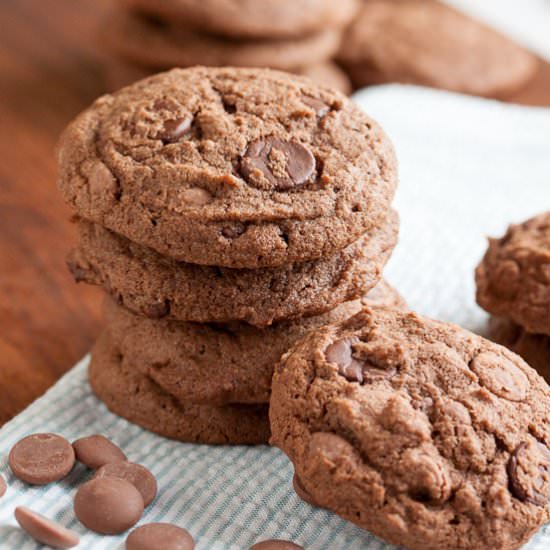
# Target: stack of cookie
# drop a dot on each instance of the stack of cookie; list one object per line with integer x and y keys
{"x": 299, "y": 36}
{"x": 513, "y": 284}
{"x": 226, "y": 212}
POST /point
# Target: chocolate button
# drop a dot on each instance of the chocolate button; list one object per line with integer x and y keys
{"x": 95, "y": 450}
{"x": 3, "y": 487}
{"x": 284, "y": 164}
{"x": 41, "y": 458}
{"x": 500, "y": 376}
{"x": 529, "y": 473}
{"x": 108, "y": 505}
{"x": 273, "y": 544}
{"x": 340, "y": 353}
{"x": 141, "y": 478}
{"x": 159, "y": 535}
{"x": 319, "y": 106}
{"x": 175, "y": 129}
{"x": 44, "y": 530}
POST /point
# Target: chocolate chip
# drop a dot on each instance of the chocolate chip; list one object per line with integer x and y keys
{"x": 233, "y": 231}
{"x": 272, "y": 163}
{"x": 96, "y": 450}
{"x": 141, "y": 478}
{"x": 3, "y": 486}
{"x": 500, "y": 376}
{"x": 319, "y": 106}
{"x": 340, "y": 353}
{"x": 108, "y": 505}
{"x": 196, "y": 196}
{"x": 273, "y": 544}
{"x": 353, "y": 369}
{"x": 301, "y": 491}
{"x": 529, "y": 473}
{"x": 41, "y": 458}
{"x": 175, "y": 129}
{"x": 44, "y": 530}
{"x": 159, "y": 535}
{"x": 78, "y": 272}
{"x": 157, "y": 310}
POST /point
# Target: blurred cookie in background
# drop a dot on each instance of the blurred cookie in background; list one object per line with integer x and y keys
{"x": 145, "y": 37}
{"x": 428, "y": 43}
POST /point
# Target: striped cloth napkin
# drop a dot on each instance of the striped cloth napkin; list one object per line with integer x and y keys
{"x": 468, "y": 168}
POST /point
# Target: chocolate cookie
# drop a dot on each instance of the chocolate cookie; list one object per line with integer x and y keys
{"x": 231, "y": 167}
{"x": 218, "y": 364}
{"x": 156, "y": 286}
{"x": 157, "y": 43}
{"x": 513, "y": 279}
{"x": 120, "y": 73}
{"x": 428, "y": 43}
{"x": 137, "y": 398}
{"x": 250, "y": 18}
{"x": 534, "y": 348}
{"x": 419, "y": 431}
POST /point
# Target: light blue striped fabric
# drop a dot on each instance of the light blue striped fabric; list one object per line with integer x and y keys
{"x": 468, "y": 167}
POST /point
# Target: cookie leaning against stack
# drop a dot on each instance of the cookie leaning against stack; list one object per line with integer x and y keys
{"x": 513, "y": 284}
{"x": 425, "y": 434}
{"x": 238, "y": 197}
{"x": 296, "y": 36}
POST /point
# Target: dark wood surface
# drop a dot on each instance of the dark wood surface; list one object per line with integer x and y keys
{"x": 50, "y": 69}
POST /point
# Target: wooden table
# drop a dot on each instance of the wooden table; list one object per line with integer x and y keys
{"x": 50, "y": 69}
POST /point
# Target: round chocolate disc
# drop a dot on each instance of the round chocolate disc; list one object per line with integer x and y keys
{"x": 273, "y": 544}
{"x": 44, "y": 530}
{"x": 141, "y": 478}
{"x": 96, "y": 450}
{"x": 39, "y": 459}
{"x": 108, "y": 505}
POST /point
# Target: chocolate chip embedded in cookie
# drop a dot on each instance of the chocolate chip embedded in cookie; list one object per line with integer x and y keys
{"x": 136, "y": 397}
{"x": 158, "y": 287}
{"x": 534, "y": 348}
{"x": 250, "y": 18}
{"x": 161, "y": 44}
{"x": 198, "y": 198}
{"x": 217, "y": 364}
{"x": 429, "y": 43}
{"x": 389, "y": 416}
{"x": 513, "y": 279}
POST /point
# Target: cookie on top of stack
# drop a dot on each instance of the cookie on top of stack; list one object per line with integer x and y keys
{"x": 225, "y": 212}
{"x": 299, "y": 36}
{"x": 513, "y": 284}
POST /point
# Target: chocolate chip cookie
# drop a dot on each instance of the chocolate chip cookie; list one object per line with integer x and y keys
{"x": 158, "y": 43}
{"x": 242, "y": 168}
{"x": 156, "y": 286}
{"x": 130, "y": 394}
{"x": 219, "y": 364}
{"x": 250, "y": 18}
{"x": 426, "y": 42}
{"x": 513, "y": 279}
{"x": 534, "y": 348}
{"x": 419, "y": 431}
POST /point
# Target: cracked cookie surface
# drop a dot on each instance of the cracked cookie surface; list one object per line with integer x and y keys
{"x": 429, "y": 43}
{"x": 128, "y": 393}
{"x": 241, "y": 168}
{"x": 513, "y": 279}
{"x": 219, "y": 364}
{"x": 156, "y": 286}
{"x": 419, "y": 431}
{"x": 251, "y": 18}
